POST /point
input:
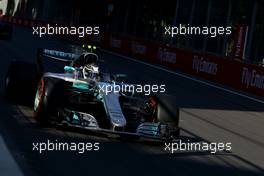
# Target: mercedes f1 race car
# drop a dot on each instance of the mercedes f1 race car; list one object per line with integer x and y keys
{"x": 78, "y": 95}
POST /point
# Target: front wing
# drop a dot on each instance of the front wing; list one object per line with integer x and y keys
{"x": 85, "y": 123}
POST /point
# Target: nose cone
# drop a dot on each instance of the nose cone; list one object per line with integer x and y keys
{"x": 113, "y": 109}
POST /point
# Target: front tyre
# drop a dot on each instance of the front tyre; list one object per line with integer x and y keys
{"x": 47, "y": 99}
{"x": 169, "y": 114}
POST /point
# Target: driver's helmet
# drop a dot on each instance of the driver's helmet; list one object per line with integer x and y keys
{"x": 85, "y": 59}
{"x": 90, "y": 71}
{"x": 87, "y": 63}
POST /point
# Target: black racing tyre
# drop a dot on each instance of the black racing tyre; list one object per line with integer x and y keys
{"x": 47, "y": 99}
{"x": 168, "y": 113}
{"x": 20, "y": 82}
{"x": 10, "y": 33}
{"x": 6, "y": 32}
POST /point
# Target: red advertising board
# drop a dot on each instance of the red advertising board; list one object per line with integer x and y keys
{"x": 233, "y": 73}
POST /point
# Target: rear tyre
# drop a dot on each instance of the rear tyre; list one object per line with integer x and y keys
{"x": 20, "y": 82}
{"x": 10, "y": 33}
{"x": 6, "y": 32}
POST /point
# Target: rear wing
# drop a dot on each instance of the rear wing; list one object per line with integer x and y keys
{"x": 66, "y": 58}
{"x": 57, "y": 55}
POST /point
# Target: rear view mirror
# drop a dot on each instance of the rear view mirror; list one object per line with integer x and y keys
{"x": 119, "y": 77}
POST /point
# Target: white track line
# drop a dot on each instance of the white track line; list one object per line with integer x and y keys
{"x": 187, "y": 77}
{"x": 8, "y": 166}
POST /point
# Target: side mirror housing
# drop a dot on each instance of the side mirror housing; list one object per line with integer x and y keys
{"x": 119, "y": 77}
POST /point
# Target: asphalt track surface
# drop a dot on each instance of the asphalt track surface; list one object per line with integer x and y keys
{"x": 207, "y": 114}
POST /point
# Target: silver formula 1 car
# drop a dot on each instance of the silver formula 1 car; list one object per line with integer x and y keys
{"x": 80, "y": 96}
